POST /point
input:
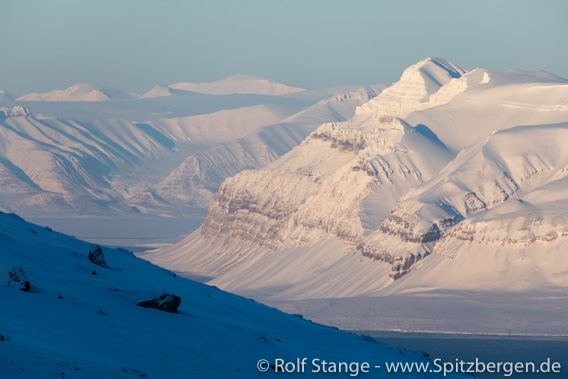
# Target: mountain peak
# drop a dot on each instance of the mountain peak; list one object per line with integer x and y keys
{"x": 442, "y": 63}
{"x": 242, "y": 77}
{"x": 158, "y": 91}
{"x": 434, "y": 72}
{"x": 83, "y": 86}
{"x": 4, "y": 95}
{"x": 79, "y": 92}
{"x": 414, "y": 90}
{"x": 238, "y": 84}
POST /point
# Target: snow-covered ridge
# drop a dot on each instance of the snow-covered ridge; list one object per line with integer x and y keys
{"x": 417, "y": 89}
{"x": 4, "y": 95}
{"x": 17, "y": 111}
{"x": 165, "y": 163}
{"x": 238, "y": 84}
{"x": 79, "y": 92}
{"x": 514, "y": 162}
{"x": 349, "y": 137}
{"x": 198, "y": 177}
{"x": 363, "y": 95}
{"x": 505, "y": 190}
{"x": 161, "y": 91}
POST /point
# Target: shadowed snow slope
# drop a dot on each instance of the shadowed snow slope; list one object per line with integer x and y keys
{"x": 80, "y": 320}
{"x": 432, "y": 184}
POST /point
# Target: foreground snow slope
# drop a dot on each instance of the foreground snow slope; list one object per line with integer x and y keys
{"x": 78, "y": 324}
{"x": 432, "y": 185}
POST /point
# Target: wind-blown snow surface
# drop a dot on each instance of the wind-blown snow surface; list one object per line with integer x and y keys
{"x": 433, "y": 185}
{"x": 76, "y": 324}
{"x": 157, "y": 156}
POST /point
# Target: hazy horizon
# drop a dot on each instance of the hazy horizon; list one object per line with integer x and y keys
{"x": 135, "y": 45}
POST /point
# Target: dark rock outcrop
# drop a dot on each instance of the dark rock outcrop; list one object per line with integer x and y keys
{"x": 97, "y": 257}
{"x": 166, "y": 302}
{"x": 18, "y": 279}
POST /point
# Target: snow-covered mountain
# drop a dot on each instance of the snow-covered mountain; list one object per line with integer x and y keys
{"x": 63, "y": 166}
{"x": 162, "y": 91}
{"x": 6, "y": 96}
{"x": 125, "y": 159}
{"x": 75, "y": 318}
{"x": 446, "y": 180}
{"x": 241, "y": 84}
{"x": 54, "y": 165}
{"x": 196, "y": 180}
{"x": 17, "y": 111}
{"x": 502, "y": 202}
{"x": 236, "y": 84}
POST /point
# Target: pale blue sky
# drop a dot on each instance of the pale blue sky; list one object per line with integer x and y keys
{"x": 136, "y": 44}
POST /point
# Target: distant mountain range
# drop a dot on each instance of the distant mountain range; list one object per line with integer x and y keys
{"x": 91, "y": 150}
{"x": 242, "y": 84}
{"x": 236, "y": 84}
{"x": 79, "y": 92}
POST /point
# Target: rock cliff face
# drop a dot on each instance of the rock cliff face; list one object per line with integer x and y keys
{"x": 310, "y": 198}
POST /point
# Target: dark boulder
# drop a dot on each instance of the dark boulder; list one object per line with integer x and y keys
{"x": 18, "y": 279}
{"x": 97, "y": 257}
{"x": 166, "y": 302}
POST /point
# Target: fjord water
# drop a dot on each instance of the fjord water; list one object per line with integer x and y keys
{"x": 485, "y": 347}
{"x": 134, "y": 234}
